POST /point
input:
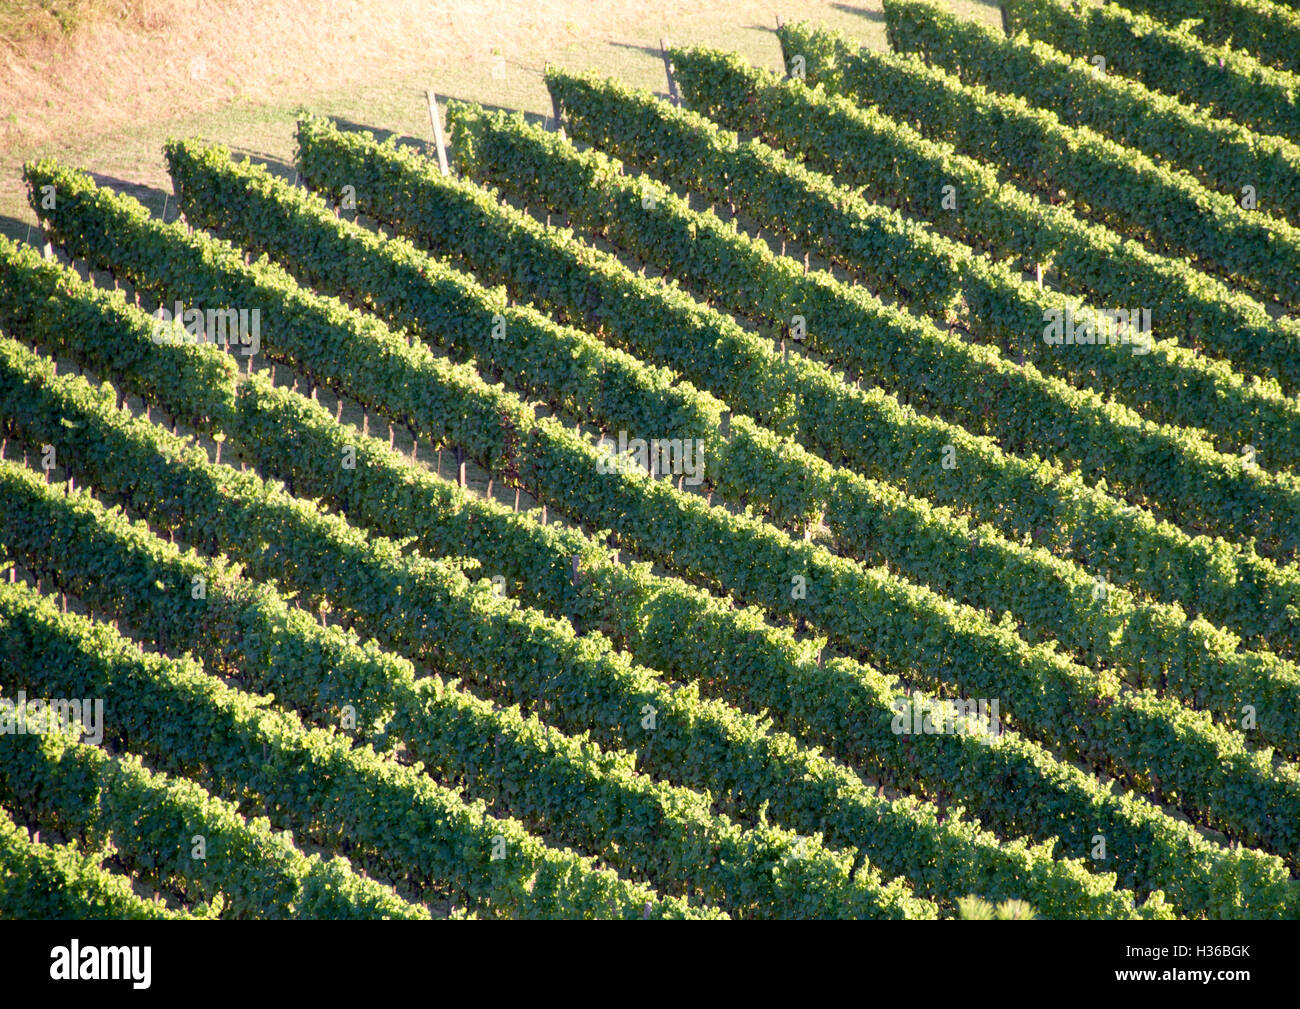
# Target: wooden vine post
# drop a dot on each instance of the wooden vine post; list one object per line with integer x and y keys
{"x": 436, "y": 119}
{"x": 555, "y": 114}
{"x": 674, "y": 95}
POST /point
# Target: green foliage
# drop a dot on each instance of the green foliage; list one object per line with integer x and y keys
{"x": 1172, "y": 59}
{"x": 1053, "y": 598}
{"x": 923, "y": 269}
{"x": 840, "y": 704}
{"x": 864, "y": 607}
{"x": 1223, "y": 154}
{"x": 1167, "y": 210}
{"x": 84, "y": 792}
{"x": 1266, "y": 29}
{"x": 314, "y": 779}
{"x": 890, "y": 162}
{"x": 57, "y": 882}
{"x": 956, "y": 376}
{"x": 587, "y": 797}
{"x": 437, "y": 616}
{"x": 515, "y": 722}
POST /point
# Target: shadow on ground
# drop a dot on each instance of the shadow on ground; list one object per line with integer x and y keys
{"x": 160, "y": 201}
{"x": 864, "y": 12}
{"x": 20, "y": 231}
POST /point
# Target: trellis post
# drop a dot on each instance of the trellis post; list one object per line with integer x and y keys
{"x": 438, "y": 141}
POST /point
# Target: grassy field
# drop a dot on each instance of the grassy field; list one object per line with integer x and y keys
{"x": 104, "y": 93}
